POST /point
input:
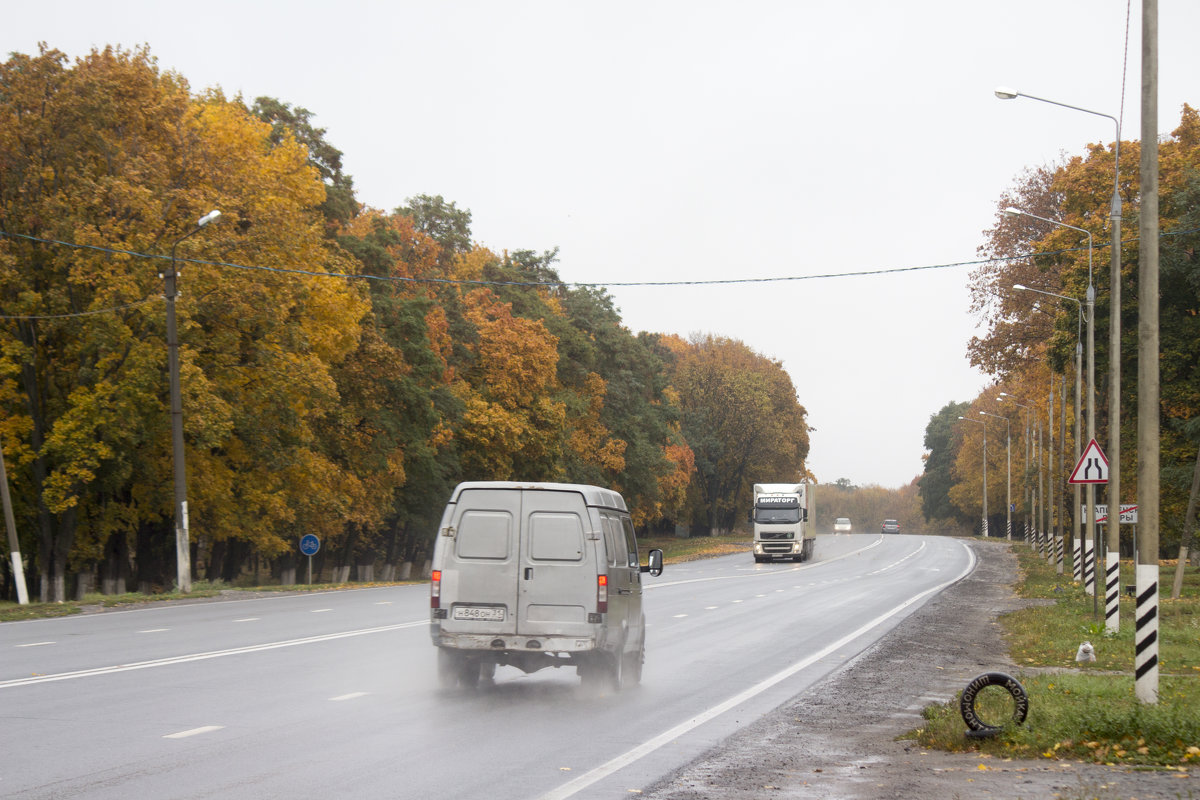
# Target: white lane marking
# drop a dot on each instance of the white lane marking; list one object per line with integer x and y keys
{"x": 154, "y": 630}
{"x": 667, "y": 737}
{"x": 350, "y": 696}
{"x": 895, "y": 564}
{"x": 680, "y": 616}
{"x": 34, "y": 644}
{"x": 384, "y": 603}
{"x": 171, "y": 607}
{"x": 711, "y": 608}
{"x": 194, "y": 732}
{"x": 162, "y": 662}
{"x": 321, "y": 610}
{"x": 735, "y": 601}
{"x": 248, "y": 619}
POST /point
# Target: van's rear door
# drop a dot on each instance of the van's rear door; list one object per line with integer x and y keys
{"x": 479, "y": 573}
{"x": 558, "y": 575}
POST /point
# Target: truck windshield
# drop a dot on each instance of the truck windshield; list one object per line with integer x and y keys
{"x": 777, "y": 515}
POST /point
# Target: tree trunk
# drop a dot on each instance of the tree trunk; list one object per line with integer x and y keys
{"x": 216, "y": 557}
{"x": 85, "y": 582}
{"x": 1186, "y": 541}
{"x": 115, "y": 570}
{"x": 154, "y": 550}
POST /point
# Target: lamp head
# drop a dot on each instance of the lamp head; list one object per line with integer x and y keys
{"x": 1014, "y": 212}
{"x": 209, "y": 217}
{"x": 1020, "y": 287}
{"x": 1005, "y": 93}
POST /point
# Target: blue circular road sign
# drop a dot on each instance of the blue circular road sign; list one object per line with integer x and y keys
{"x": 309, "y": 544}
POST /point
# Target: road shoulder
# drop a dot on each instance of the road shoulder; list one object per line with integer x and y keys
{"x": 838, "y": 740}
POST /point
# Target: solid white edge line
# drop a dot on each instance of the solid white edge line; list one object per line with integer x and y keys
{"x": 162, "y": 662}
{"x": 645, "y": 749}
{"x": 351, "y": 696}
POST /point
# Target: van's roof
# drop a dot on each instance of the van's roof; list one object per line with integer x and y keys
{"x": 592, "y": 495}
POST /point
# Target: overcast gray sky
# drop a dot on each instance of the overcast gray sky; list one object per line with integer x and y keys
{"x": 694, "y": 140}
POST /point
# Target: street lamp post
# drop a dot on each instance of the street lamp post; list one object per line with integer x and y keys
{"x": 1008, "y": 465}
{"x": 1076, "y": 542}
{"x": 183, "y": 556}
{"x": 1028, "y": 442}
{"x": 984, "y": 529}
{"x": 1091, "y": 387}
{"x": 1113, "y": 538}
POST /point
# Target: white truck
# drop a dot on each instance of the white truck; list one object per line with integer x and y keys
{"x": 780, "y": 517}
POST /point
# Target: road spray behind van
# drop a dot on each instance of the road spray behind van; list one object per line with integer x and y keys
{"x": 538, "y": 575}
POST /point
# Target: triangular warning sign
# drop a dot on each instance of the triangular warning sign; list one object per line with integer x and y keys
{"x": 1092, "y": 466}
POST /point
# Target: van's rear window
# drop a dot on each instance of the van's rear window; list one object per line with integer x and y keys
{"x": 555, "y": 537}
{"x": 484, "y": 534}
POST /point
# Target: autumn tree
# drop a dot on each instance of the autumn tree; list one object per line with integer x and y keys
{"x": 137, "y": 160}
{"x": 340, "y": 204}
{"x": 742, "y": 420}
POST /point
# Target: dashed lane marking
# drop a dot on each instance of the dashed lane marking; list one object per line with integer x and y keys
{"x": 194, "y": 732}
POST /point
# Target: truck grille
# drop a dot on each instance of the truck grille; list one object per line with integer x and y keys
{"x": 777, "y": 547}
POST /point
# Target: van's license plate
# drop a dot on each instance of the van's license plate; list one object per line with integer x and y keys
{"x": 487, "y": 613}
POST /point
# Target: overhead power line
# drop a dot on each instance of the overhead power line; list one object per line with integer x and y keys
{"x": 535, "y": 284}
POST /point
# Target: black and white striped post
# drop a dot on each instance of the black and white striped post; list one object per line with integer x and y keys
{"x": 1112, "y": 589}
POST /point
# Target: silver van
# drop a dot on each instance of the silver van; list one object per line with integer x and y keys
{"x": 538, "y": 575}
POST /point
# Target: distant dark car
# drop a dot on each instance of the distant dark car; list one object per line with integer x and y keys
{"x": 890, "y": 526}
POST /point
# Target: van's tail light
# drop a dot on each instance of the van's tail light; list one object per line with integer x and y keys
{"x": 602, "y": 594}
{"x": 435, "y": 589}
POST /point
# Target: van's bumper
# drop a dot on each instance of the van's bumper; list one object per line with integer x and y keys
{"x": 528, "y": 644}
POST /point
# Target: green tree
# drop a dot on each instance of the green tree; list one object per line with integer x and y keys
{"x": 340, "y": 204}
{"x": 941, "y": 452}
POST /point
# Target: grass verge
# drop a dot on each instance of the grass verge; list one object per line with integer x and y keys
{"x": 1087, "y": 711}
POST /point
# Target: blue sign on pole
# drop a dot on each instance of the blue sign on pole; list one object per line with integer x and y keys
{"x": 309, "y": 544}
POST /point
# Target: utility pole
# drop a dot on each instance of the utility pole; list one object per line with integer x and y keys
{"x": 183, "y": 553}
{"x": 1146, "y": 615}
{"x": 14, "y": 543}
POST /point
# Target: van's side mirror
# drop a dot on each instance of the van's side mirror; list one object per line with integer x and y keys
{"x": 805, "y": 517}
{"x": 655, "y": 565}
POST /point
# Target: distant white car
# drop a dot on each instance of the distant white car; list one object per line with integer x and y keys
{"x": 842, "y": 525}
